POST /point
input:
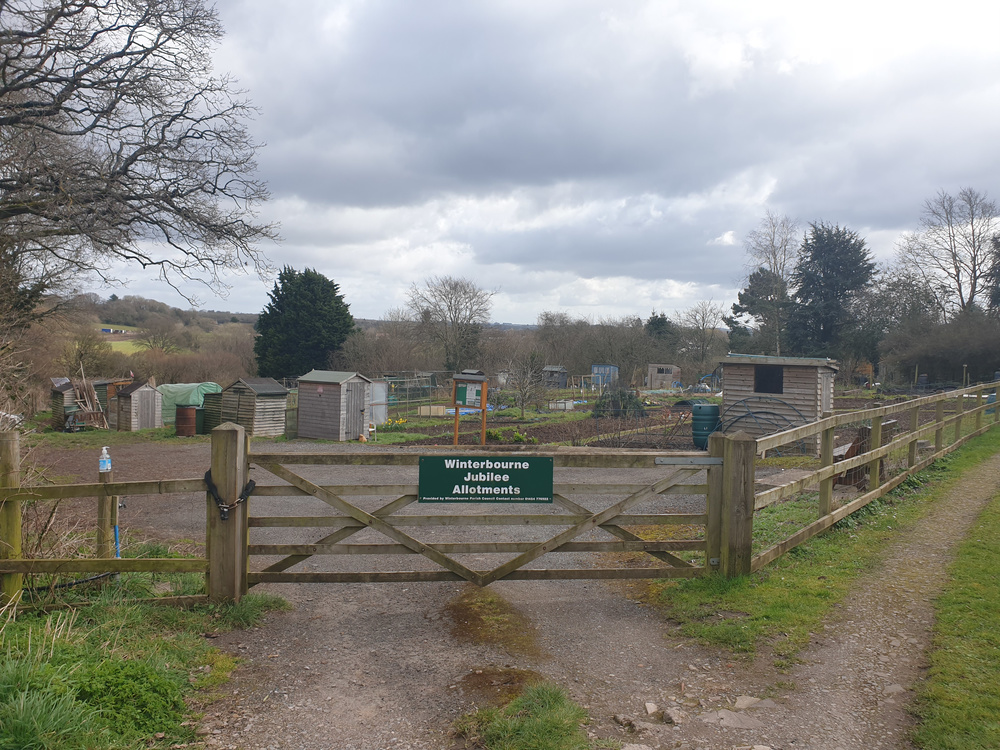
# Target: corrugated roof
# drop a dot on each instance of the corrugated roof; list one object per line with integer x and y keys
{"x": 330, "y": 376}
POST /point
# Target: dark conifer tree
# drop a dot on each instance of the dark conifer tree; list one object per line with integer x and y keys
{"x": 304, "y": 323}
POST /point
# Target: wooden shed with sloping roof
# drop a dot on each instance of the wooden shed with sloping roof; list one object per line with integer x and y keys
{"x": 63, "y": 402}
{"x": 763, "y": 395}
{"x": 136, "y": 407}
{"x": 334, "y": 405}
{"x": 258, "y": 404}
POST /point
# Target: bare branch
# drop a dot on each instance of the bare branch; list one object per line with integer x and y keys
{"x": 118, "y": 144}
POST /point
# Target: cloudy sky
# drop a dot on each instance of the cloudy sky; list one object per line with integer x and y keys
{"x": 598, "y": 158}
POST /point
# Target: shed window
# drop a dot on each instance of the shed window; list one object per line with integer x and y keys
{"x": 768, "y": 379}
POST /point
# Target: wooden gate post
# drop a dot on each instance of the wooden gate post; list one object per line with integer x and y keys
{"x": 739, "y": 458}
{"x": 10, "y": 515}
{"x": 226, "y": 540}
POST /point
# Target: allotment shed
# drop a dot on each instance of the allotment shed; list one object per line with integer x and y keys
{"x": 334, "y": 405}
{"x": 258, "y": 404}
{"x": 604, "y": 376}
{"x": 554, "y": 376}
{"x": 138, "y": 406}
{"x": 661, "y": 377}
{"x": 762, "y": 395}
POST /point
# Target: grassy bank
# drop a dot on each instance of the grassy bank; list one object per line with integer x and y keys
{"x": 113, "y": 674}
{"x": 781, "y": 604}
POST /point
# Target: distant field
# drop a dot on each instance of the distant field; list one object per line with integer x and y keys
{"x": 129, "y": 347}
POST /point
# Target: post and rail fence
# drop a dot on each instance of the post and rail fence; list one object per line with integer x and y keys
{"x": 720, "y": 492}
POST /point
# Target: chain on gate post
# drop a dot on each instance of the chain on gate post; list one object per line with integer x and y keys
{"x": 226, "y": 538}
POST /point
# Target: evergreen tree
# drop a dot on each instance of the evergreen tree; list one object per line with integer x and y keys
{"x": 304, "y": 323}
{"x": 834, "y": 267}
{"x": 765, "y": 301}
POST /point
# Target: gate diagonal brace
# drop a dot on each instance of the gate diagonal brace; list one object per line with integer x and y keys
{"x": 341, "y": 534}
{"x": 598, "y": 519}
{"x": 373, "y": 522}
{"x": 623, "y": 534}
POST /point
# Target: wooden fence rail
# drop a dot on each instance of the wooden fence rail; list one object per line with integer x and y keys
{"x": 873, "y": 458}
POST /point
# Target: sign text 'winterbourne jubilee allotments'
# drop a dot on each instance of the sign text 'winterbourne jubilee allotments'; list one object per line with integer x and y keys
{"x": 485, "y": 479}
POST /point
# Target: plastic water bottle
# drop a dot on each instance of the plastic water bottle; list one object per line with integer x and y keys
{"x": 104, "y": 462}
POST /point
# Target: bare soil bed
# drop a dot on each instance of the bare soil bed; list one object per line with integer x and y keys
{"x": 382, "y": 666}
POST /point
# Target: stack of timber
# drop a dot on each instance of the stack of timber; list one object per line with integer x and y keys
{"x": 258, "y": 404}
{"x": 213, "y": 411}
{"x": 90, "y": 411}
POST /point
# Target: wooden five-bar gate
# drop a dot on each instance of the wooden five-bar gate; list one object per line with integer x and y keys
{"x": 607, "y": 519}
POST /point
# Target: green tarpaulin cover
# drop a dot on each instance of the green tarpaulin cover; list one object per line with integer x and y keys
{"x": 184, "y": 394}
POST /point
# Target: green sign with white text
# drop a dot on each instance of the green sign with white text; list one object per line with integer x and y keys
{"x": 485, "y": 479}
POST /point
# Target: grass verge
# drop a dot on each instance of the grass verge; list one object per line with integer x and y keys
{"x": 959, "y": 703}
{"x": 113, "y": 674}
{"x": 783, "y": 603}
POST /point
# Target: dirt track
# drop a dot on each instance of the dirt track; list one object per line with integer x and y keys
{"x": 378, "y": 666}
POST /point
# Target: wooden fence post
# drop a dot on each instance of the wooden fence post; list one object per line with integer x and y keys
{"x": 826, "y": 485}
{"x": 939, "y": 432}
{"x": 979, "y": 411}
{"x": 226, "y": 542}
{"x": 739, "y": 457}
{"x": 875, "y": 465}
{"x": 105, "y": 521}
{"x": 911, "y": 454}
{"x": 996, "y": 404}
{"x": 960, "y": 408}
{"x": 10, "y": 515}
{"x": 713, "y": 529}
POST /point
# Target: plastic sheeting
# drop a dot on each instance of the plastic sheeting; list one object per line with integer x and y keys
{"x": 184, "y": 394}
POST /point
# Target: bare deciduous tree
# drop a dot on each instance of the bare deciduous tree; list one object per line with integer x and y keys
{"x": 773, "y": 246}
{"x": 118, "y": 144}
{"x": 625, "y": 343}
{"x": 452, "y": 312}
{"x": 701, "y": 334}
{"x": 524, "y": 378}
{"x": 161, "y": 333}
{"x": 953, "y": 248}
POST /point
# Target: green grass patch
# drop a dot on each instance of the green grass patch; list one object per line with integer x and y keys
{"x": 541, "y": 718}
{"x": 786, "y": 601}
{"x": 959, "y": 704}
{"x": 113, "y": 674}
{"x": 128, "y": 346}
